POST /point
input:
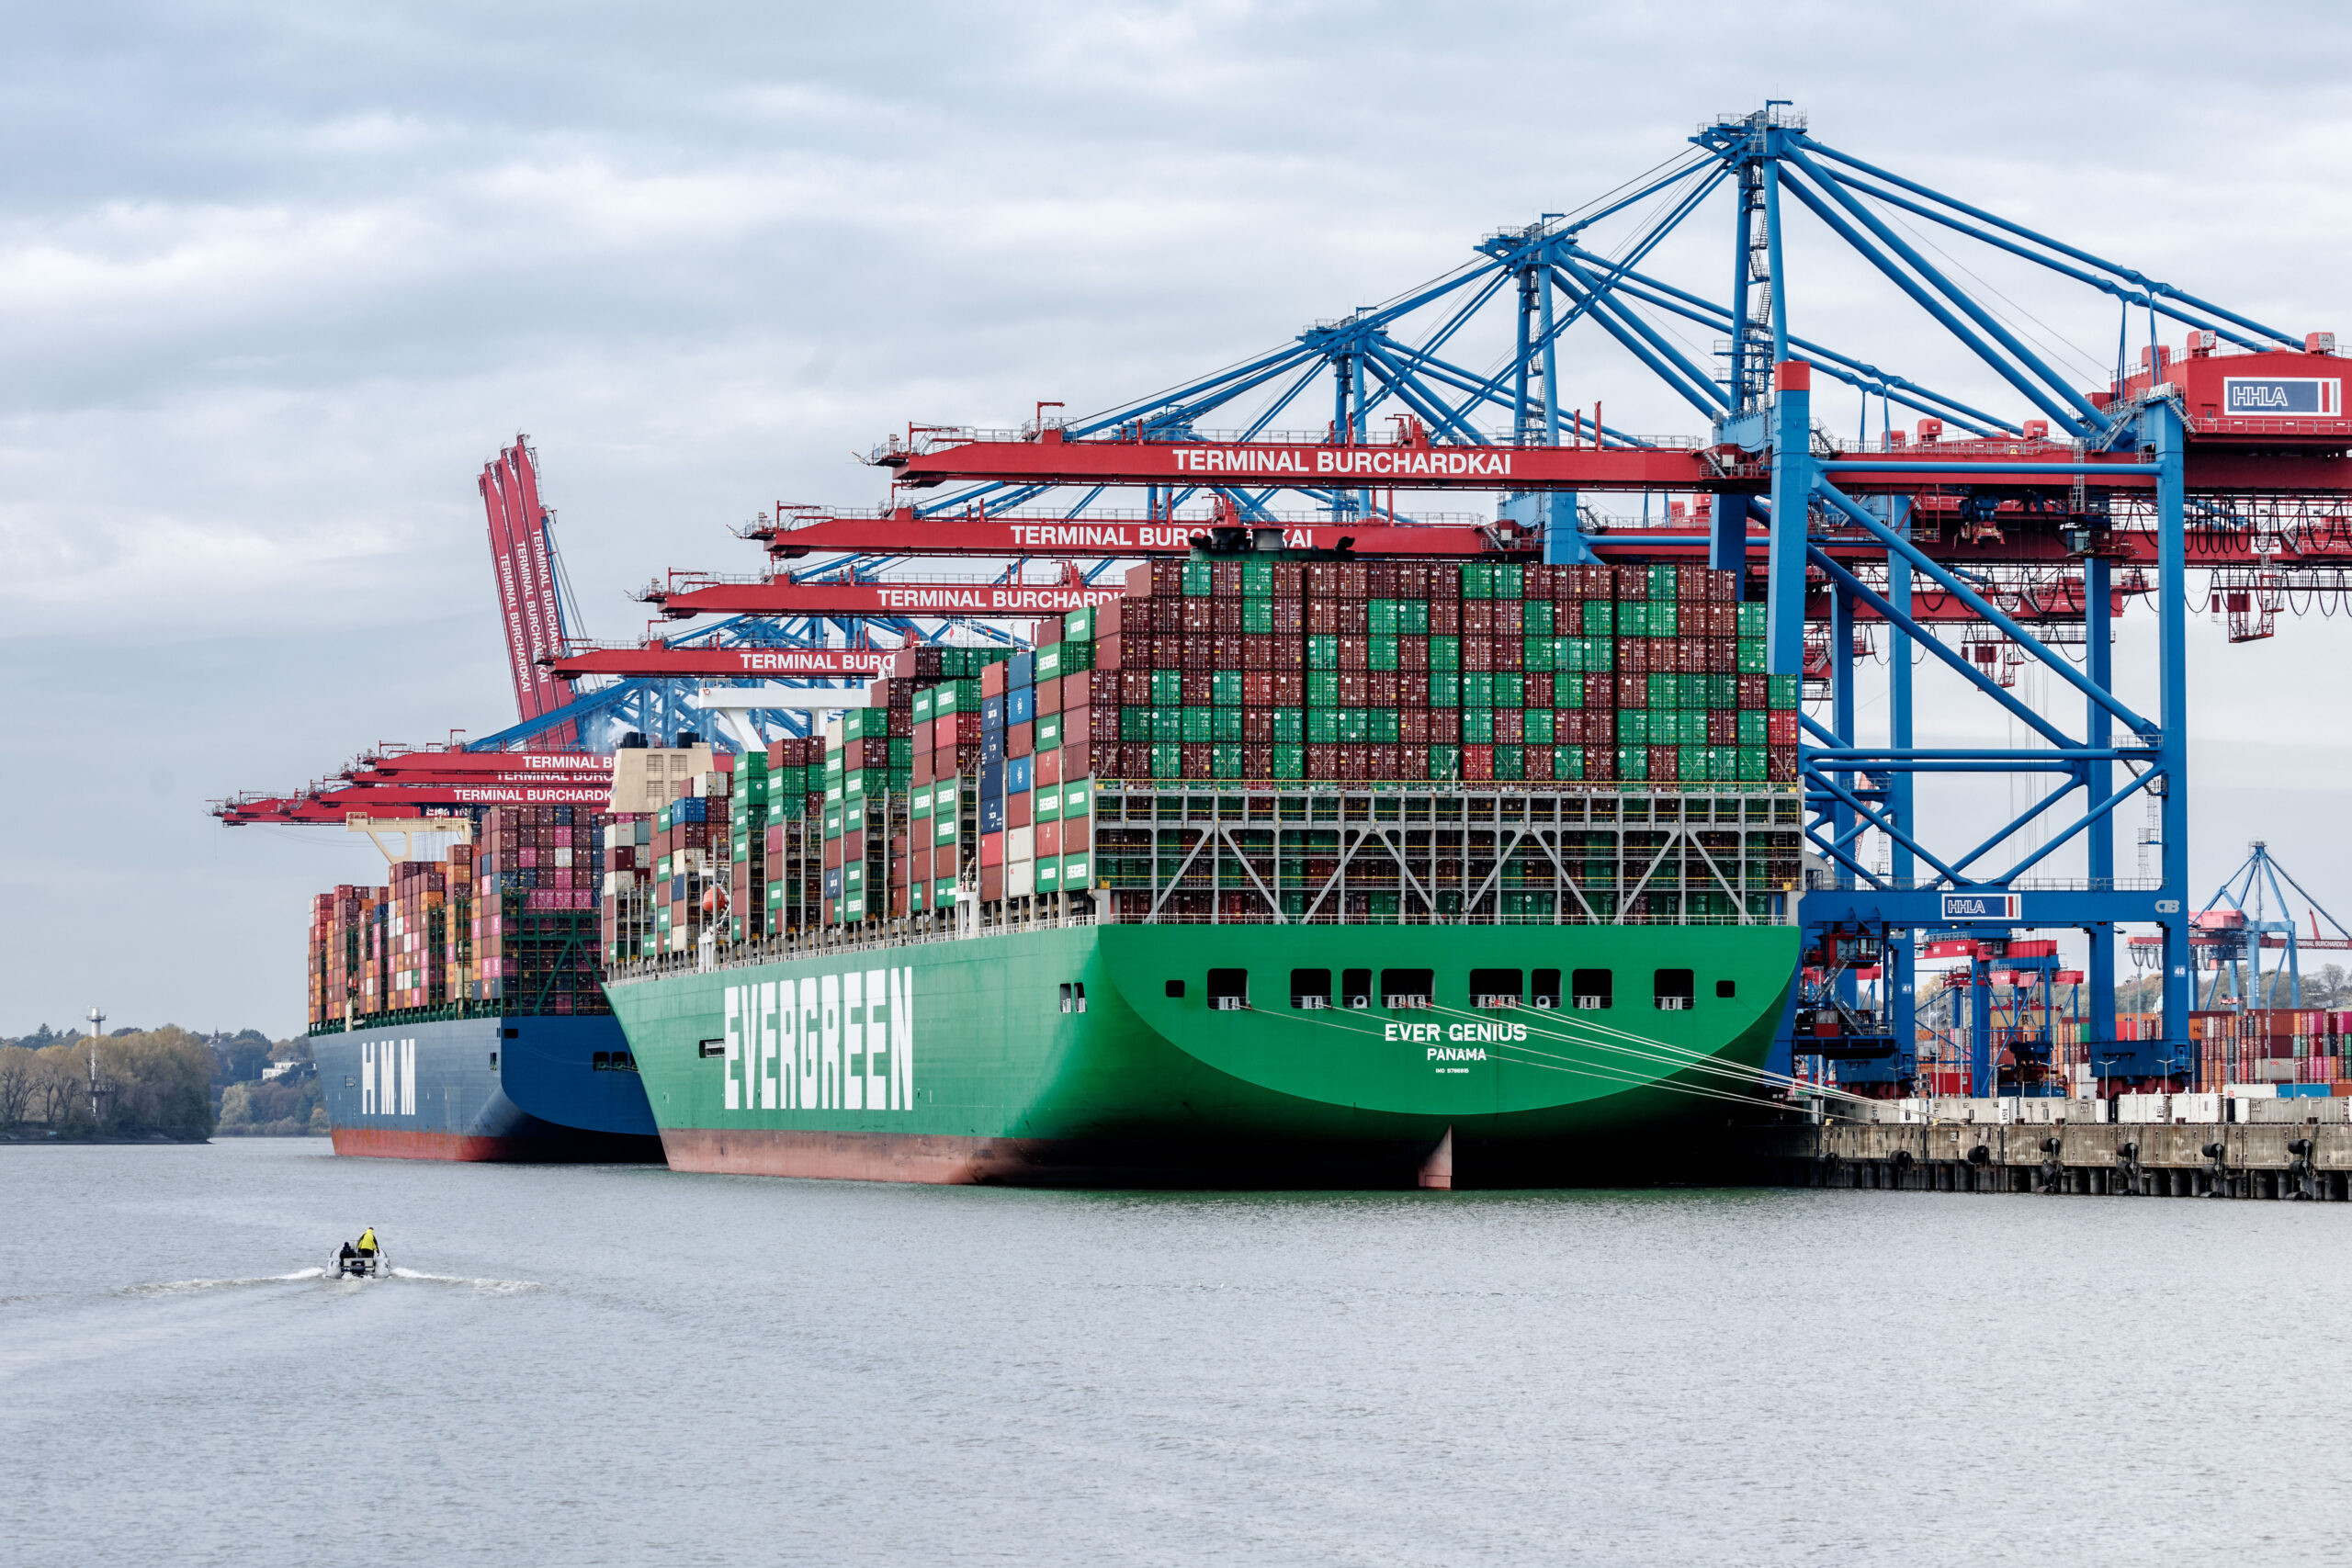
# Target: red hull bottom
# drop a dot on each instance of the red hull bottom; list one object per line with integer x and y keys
{"x": 390, "y": 1143}
{"x": 1044, "y": 1162}
{"x": 849, "y": 1157}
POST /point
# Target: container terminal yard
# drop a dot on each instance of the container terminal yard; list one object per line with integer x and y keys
{"x": 1182, "y": 793}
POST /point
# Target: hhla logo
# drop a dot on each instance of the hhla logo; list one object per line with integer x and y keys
{"x": 387, "y": 1078}
{"x": 828, "y": 1042}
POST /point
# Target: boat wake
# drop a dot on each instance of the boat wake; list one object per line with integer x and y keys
{"x": 183, "y": 1287}
{"x": 489, "y": 1287}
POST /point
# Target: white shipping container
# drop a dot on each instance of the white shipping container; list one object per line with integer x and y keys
{"x": 2141, "y": 1110}
{"x": 2197, "y": 1108}
{"x": 1020, "y": 879}
{"x": 1020, "y": 843}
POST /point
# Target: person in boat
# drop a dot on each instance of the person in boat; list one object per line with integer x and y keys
{"x": 367, "y": 1242}
{"x": 347, "y": 1254}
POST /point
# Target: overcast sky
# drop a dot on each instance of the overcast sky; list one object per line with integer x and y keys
{"x": 276, "y": 280}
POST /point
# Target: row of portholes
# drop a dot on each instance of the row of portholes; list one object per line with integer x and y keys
{"x": 1588, "y": 990}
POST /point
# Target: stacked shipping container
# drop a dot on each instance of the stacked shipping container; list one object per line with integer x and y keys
{"x": 504, "y": 926}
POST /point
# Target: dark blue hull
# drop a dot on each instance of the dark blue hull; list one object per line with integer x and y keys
{"x": 542, "y": 1088}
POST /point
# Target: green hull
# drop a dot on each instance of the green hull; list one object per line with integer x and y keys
{"x": 977, "y": 1064}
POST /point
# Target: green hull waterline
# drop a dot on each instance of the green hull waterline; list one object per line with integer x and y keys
{"x": 976, "y": 1059}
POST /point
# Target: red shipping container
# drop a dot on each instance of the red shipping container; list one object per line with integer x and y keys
{"x": 1385, "y": 761}
{"x": 1355, "y": 689}
{"x": 1780, "y": 727}
{"x": 1134, "y": 688}
{"x": 1538, "y": 687}
{"x": 1665, "y": 763}
{"x": 1288, "y": 653}
{"x": 1445, "y": 617}
{"x": 1509, "y": 725}
{"x": 1322, "y": 760}
{"x": 993, "y": 677}
{"x": 1323, "y": 618}
{"x": 922, "y": 773}
{"x": 1290, "y": 689}
{"x": 1600, "y": 727}
{"x": 1539, "y": 763}
{"x": 1019, "y": 739}
{"x": 1412, "y": 654}
{"x": 1199, "y": 617}
{"x": 1257, "y": 761}
{"x": 1445, "y": 726}
{"x": 1229, "y": 650}
{"x": 1754, "y": 692}
{"x": 1077, "y": 758}
{"x": 1017, "y": 808}
{"x": 1413, "y": 729}
{"x": 1108, "y": 652}
{"x": 1050, "y": 698}
{"x": 1723, "y": 728}
{"x": 1199, "y": 690}
{"x": 1355, "y": 651}
{"x": 1381, "y": 689}
{"x": 1257, "y": 727}
{"x": 1046, "y": 769}
{"x": 1109, "y": 622}
{"x": 991, "y": 849}
{"x": 1632, "y": 692}
{"x": 1196, "y": 760}
{"x": 992, "y": 883}
{"x": 1258, "y": 688}
{"x": 1478, "y": 763}
{"x": 1049, "y": 838}
{"x": 1225, "y": 619}
{"x": 1780, "y": 764}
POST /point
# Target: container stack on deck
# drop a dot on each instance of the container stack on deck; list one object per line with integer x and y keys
{"x": 1300, "y": 676}
{"x": 502, "y": 927}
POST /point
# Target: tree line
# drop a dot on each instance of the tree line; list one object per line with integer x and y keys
{"x": 165, "y": 1083}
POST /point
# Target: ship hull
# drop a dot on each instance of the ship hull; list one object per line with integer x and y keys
{"x": 1068, "y": 1055}
{"x": 521, "y": 1088}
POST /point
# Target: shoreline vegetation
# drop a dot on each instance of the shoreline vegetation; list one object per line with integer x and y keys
{"x": 168, "y": 1084}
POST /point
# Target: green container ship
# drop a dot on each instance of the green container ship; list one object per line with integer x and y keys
{"x": 1098, "y": 1039}
{"x": 1274, "y": 870}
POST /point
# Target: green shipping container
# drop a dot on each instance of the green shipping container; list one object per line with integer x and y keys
{"x": 1225, "y": 688}
{"x": 1383, "y": 652}
{"x": 1752, "y": 620}
{"x": 1289, "y": 760}
{"x": 1477, "y": 689}
{"x": 1225, "y": 761}
{"x": 1445, "y": 653}
{"x": 1751, "y": 654}
{"x": 1535, "y": 618}
{"x": 1258, "y": 581}
{"x": 1198, "y": 728}
{"x": 1258, "y": 615}
{"x": 1226, "y": 724}
{"x": 1567, "y": 763}
{"x": 1382, "y": 726}
{"x": 1290, "y": 728}
{"x": 1167, "y": 688}
{"x": 1633, "y": 727}
{"x": 1198, "y": 581}
{"x": 1322, "y": 652}
{"x": 1445, "y": 689}
{"x": 1167, "y": 762}
{"x": 1322, "y": 689}
{"x": 1751, "y": 730}
{"x": 1780, "y": 693}
{"x": 1537, "y": 725}
{"x": 1079, "y": 625}
{"x": 1445, "y": 761}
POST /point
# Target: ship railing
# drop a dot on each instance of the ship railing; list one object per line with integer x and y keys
{"x": 899, "y": 932}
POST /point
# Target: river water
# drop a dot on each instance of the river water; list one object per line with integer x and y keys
{"x": 627, "y": 1366}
